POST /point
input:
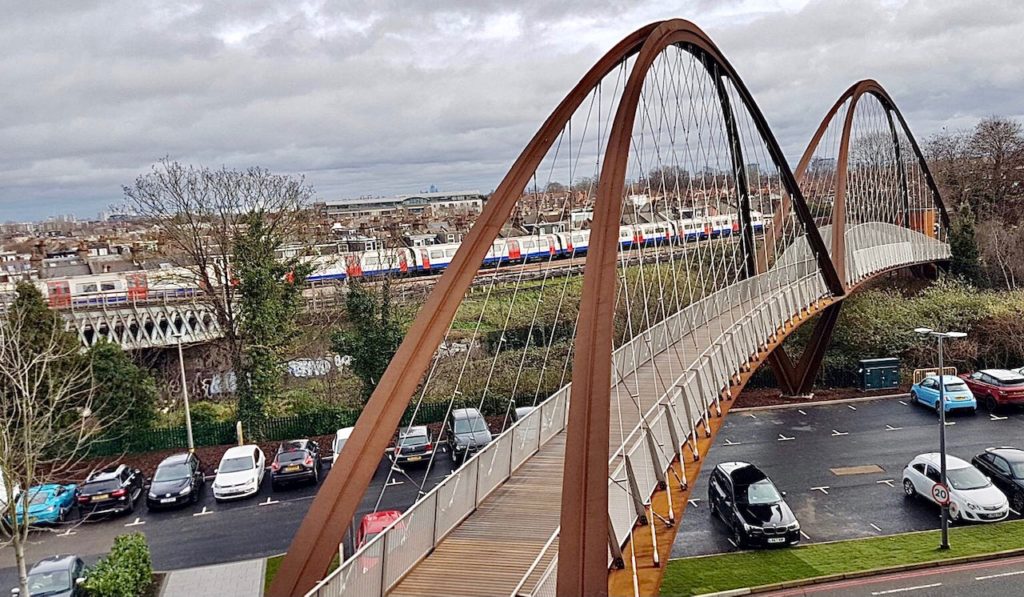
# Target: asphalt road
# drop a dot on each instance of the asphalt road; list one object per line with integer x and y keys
{"x": 801, "y": 448}
{"x": 213, "y": 533}
{"x": 997, "y": 578}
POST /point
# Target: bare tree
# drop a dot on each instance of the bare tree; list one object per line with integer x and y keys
{"x": 47, "y": 417}
{"x": 203, "y": 213}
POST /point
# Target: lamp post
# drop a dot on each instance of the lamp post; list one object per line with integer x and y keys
{"x": 940, "y": 336}
{"x": 184, "y": 393}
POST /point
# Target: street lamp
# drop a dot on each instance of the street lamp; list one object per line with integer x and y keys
{"x": 940, "y": 336}
{"x": 184, "y": 392}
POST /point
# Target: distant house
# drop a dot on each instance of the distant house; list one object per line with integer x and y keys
{"x": 470, "y": 201}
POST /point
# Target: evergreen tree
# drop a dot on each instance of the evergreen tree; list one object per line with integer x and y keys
{"x": 965, "y": 262}
{"x": 126, "y": 392}
{"x": 374, "y": 333}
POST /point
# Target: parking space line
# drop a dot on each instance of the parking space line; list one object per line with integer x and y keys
{"x": 948, "y": 423}
{"x": 1015, "y": 573}
{"x": 67, "y": 533}
{"x": 783, "y": 438}
{"x": 874, "y": 526}
{"x": 802, "y": 412}
{"x": 905, "y": 589}
{"x": 138, "y": 521}
{"x": 805, "y": 535}
{"x": 903, "y": 403}
{"x": 394, "y": 482}
{"x": 993, "y": 417}
{"x": 269, "y": 502}
{"x": 203, "y": 513}
{"x": 729, "y": 442}
{"x": 889, "y": 427}
{"x": 823, "y": 489}
{"x": 751, "y": 415}
{"x": 851, "y": 407}
{"x": 885, "y": 482}
{"x": 839, "y": 433}
{"x": 731, "y": 542}
{"x": 693, "y": 502}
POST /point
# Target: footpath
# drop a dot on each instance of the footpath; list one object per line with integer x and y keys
{"x": 234, "y": 579}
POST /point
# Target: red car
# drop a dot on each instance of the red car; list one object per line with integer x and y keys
{"x": 372, "y": 525}
{"x": 996, "y": 387}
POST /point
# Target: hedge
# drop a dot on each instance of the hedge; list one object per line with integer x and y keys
{"x": 127, "y": 571}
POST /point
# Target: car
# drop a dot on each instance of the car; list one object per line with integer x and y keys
{"x": 56, "y": 576}
{"x": 296, "y": 460}
{"x": 468, "y": 433}
{"x": 1005, "y": 466}
{"x": 49, "y": 503}
{"x": 373, "y": 524}
{"x": 957, "y": 395}
{"x": 179, "y": 479}
{"x": 412, "y": 444}
{"x": 972, "y": 496}
{"x": 519, "y": 413}
{"x": 996, "y": 387}
{"x": 750, "y": 505}
{"x": 112, "y": 490}
{"x": 339, "y": 442}
{"x": 14, "y": 490}
{"x": 240, "y": 473}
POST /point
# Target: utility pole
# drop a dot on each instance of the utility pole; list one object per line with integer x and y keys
{"x": 184, "y": 393}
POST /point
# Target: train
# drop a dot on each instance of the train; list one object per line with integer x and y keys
{"x": 168, "y": 283}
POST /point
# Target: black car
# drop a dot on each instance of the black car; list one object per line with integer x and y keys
{"x": 112, "y": 490}
{"x": 296, "y": 460}
{"x": 1005, "y": 466}
{"x": 747, "y": 501}
{"x": 179, "y": 479}
{"x": 56, "y": 576}
{"x": 412, "y": 445}
{"x": 468, "y": 433}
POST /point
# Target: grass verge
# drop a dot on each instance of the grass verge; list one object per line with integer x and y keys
{"x": 274, "y": 563}
{"x": 694, "y": 576}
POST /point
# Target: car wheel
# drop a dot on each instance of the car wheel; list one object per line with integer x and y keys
{"x": 713, "y": 506}
{"x": 954, "y": 513}
{"x": 913, "y": 398}
{"x": 1017, "y": 503}
{"x": 61, "y": 516}
{"x": 908, "y": 488}
{"x": 737, "y": 538}
{"x": 938, "y": 409}
{"x": 991, "y": 404}
{"x": 131, "y": 504}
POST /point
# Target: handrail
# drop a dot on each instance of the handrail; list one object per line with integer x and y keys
{"x": 536, "y": 562}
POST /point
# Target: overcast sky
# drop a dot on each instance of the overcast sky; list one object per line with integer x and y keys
{"x": 384, "y": 97}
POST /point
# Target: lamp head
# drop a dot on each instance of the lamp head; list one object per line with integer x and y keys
{"x": 923, "y": 331}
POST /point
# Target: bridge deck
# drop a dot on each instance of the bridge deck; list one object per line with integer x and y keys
{"x": 492, "y": 549}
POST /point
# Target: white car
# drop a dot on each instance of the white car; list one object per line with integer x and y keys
{"x": 339, "y": 442}
{"x": 972, "y": 496}
{"x": 240, "y": 473}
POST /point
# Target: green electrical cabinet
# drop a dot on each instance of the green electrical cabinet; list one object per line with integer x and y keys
{"x": 879, "y": 374}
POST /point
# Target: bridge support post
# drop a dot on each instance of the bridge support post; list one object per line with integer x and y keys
{"x": 797, "y": 379}
{"x": 652, "y": 447}
{"x": 634, "y": 491}
{"x": 613, "y": 545}
{"x": 677, "y": 447}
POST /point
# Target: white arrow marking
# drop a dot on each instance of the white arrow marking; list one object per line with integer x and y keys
{"x": 874, "y": 526}
{"x": 203, "y": 513}
{"x": 137, "y": 522}
{"x": 886, "y": 482}
{"x": 268, "y": 502}
{"x": 838, "y": 433}
{"x": 889, "y": 427}
{"x": 995, "y": 418}
{"x": 823, "y": 489}
{"x": 783, "y": 438}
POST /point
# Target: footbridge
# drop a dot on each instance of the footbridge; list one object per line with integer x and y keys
{"x": 632, "y": 371}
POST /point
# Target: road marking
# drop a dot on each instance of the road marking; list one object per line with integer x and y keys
{"x": 269, "y": 502}
{"x": 783, "y": 438}
{"x": 805, "y": 535}
{"x": 874, "y": 526}
{"x": 839, "y": 433}
{"x": 905, "y": 589}
{"x": 802, "y": 412}
{"x": 731, "y": 543}
{"x": 203, "y": 513}
{"x": 729, "y": 442}
{"x": 1014, "y": 511}
{"x": 751, "y": 415}
{"x": 851, "y": 407}
{"x": 823, "y": 489}
{"x": 886, "y": 482}
{"x": 889, "y": 427}
{"x": 693, "y": 502}
{"x": 138, "y": 521}
{"x": 394, "y": 482}
{"x": 903, "y": 403}
{"x": 1015, "y": 573}
{"x": 948, "y": 423}
{"x": 995, "y": 418}
{"x": 67, "y": 533}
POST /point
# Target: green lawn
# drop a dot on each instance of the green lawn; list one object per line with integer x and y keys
{"x": 274, "y": 562}
{"x": 694, "y": 576}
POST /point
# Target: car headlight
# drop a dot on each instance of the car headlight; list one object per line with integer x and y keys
{"x": 971, "y": 506}
{"x": 51, "y": 509}
{"x": 186, "y": 491}
{"x": 794, "y": 526}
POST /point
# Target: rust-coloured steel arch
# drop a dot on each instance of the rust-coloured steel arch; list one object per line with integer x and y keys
{"x": 583, "y": 538}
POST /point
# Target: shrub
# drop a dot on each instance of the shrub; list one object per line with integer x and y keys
{"x": 210, "y": 412}
{"x": 127, "y": 571}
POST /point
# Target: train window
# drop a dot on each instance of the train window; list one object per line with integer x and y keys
{"x": 86, "y": 288}
{"x": 436, "y": 254}
{"x": 106, "y": 286}
{"x": 450, "y": 252}
{"x": 372, "y": 261}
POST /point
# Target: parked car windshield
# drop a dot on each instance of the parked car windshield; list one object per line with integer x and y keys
{"x": 172, "y": 472}
{"x": 43, "y": 583}
{"x": 1018, "y": 469}
{"x": 413, "y": 440}
{"x": 966, "y": 478}
{"x": 237, "y": 464}
{"x": 762, "y": 492}
{"x": 471, "y": 425}
{"x": 101, "y": 486}
{"x": 39, "y": 497}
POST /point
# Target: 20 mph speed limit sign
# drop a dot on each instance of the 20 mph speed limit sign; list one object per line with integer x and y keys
{"x": 940, "y": 494}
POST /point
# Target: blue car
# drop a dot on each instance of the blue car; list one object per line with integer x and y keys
{"x": 48, "y": 504}
{"x": 958, "y": 395}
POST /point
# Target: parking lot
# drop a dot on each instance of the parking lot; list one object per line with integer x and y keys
{"x": 210, "y": 532}
{"x": 810, "y": 451}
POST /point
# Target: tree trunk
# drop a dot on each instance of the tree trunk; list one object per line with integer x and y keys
{"x": 19, "y": 558}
